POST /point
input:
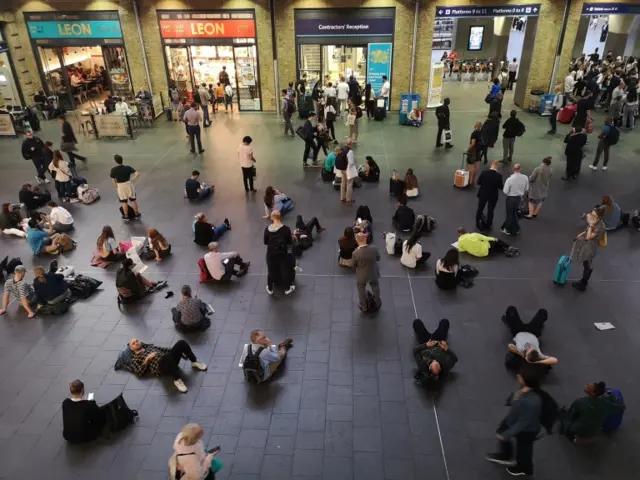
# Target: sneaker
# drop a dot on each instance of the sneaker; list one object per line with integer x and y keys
{"x": 74, "y": 200}
{"x": 579, "y": 286}
{"x": 227, "y": 223}
{"x": 138, "y": 215}
{"x": 46, "y": 180}
{"x": 316, "y": 164}
{"x": 201, "y": 151}
{"x": 504, "y": 231}
{"x": 269, "y": 291}
{"x": 499, "y": 459}
{"x": 39, "y": 180}
{"x": 306, "y": 165}
{"x": 604, "y": 169}
{"x": 180, "y": 385}
{"x": 126, "y": 219}
{"x": 593, "y": 167}
{"x": 199, "y": 365}
{"x": 290, "y": 290}
{"x": 516, "y": 472}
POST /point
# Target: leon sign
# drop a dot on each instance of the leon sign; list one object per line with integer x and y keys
{"x": 207, "y": 28}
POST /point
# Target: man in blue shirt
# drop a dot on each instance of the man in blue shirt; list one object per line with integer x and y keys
{"x": 194, "y": 190}
{"x": 309, "y": 134}
{"x": 271, "y": 356}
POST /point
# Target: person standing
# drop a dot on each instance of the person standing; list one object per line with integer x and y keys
{"x": 443, "y": 116}
{"x": 514, "y": 188}
{"x": 609, "y": 136}
{"x": 513, "y": 128}
{"x": 513, "y": 70}
{"x": 329, "y": 92}
{"x": 68, "y": 144}
{"x": 490, "y": 183}
{"x": 365, "y": 261}
{"x": 192, "y": 117}
{"x": 123, "y": 177}
{"x": 538, "y": 187}
{"x": 280, "y": 261}
{"x": 343, "y": 97}
{"x": 584, "y": 105}
{"x": 576, "y": 139}
{"x": 33, "y": 149}
{"x": 349, "y": 173}
{"x": 476, "y": 146}
{"x": 205, "y": 100}
{"x": 556, "y": 106}
{"x": 587, "y": 244}
{"x": 223, "y": 76}
{"x": 288, "y": 108}
{"x": 228, "y": 98}
{"x": 384, "y": 92}
{"x": 309, "y": 141}
{"x": 630, "y": 108}
{"x": 247, "y": 161}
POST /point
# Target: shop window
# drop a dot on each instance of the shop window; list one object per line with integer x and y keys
{"x": 180, "y": 71}
{"x": 310, "y": 62}
{"x": 347, "y": 61}
{"x": 247, "y": 72}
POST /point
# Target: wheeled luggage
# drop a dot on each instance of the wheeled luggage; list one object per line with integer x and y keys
{"x": 566, "y": 114}
{"x": 461, "y": 178}
{"x": 563, "y": 267}
{"x": 379, "y": 114}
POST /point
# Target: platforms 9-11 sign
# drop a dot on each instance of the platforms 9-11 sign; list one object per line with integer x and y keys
{"x": 488, "y": 11}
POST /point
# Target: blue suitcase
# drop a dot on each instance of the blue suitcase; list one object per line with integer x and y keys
{"x": 563, "y": 267}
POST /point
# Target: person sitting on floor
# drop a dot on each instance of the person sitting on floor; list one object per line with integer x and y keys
{"x": 612, "y": 214}
{"x": 158, "y": 245}
{"x": 11, "y": 221}
{"x": 133, "y": 286}
{"x": 526, "y": 342}
{"x": 222, "y": 265}
{"x": 410, "y": 184}
{"x": 303, "y": 234}
{"x": 271, "y": 357}
{"x": 41, "y": 241}
{"x": 586, "y": 415}
{"x": 404, "y": 218}
{"x": 347, "y": 244}
{"x": 480, "y": 245}
{"x": 412, "y": 254}
{"x": 414, "y": 118}
{"x": 275, "y": 200}
{"x": 205, "y": 232}
{"x": 447, "y": 269}
{"x": 432, "y": 354}
{"x": 21, "y": 291}
{"x": 329, "y": 164}
{"x": 82, "y": 420}
{"x": 190, "y": 313}
{"x": 196, "y": 190}
{"x": 32, "y": 197}
{"x": 59, "y": 219}
{"x": 107, "y": 247}
{"x": 50, "y": 288}
{"x": 150, "y": 360}
{"x": 371, "y": 171}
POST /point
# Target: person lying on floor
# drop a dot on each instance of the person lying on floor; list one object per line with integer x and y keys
{"x": 222, "y": 265}
{"x": 303, "y": 234}
{"x": 50, "y": 288}
{"x": 270, "y": 356}
{"x": 205, "y": 232}
{"x": 190, "y": 314}
{"x": 480, "y": 245}
{"x": 150, "y": 360}
{"x": 21, "y": 291}
{"x": 586, "y": 415}
{"x": 404, "y": 218}
{"x": 526, "y": 343}
{"x": 432, "y": 354}
{"x": 133, "y": 286}
{"x": 82, "y": 420}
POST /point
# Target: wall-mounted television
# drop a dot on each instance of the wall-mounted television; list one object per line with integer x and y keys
{"x": 476, "y": 37}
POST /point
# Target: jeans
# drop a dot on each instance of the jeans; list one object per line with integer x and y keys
{"x": 628, "y": 120}
{"x": 331, "y": 128}
{"x": 491, "y": 205}
{"x": 346, "y": 187}
{"x": 308, "y": 146}
{"x": 512, "y": 79}
{"x": 507, "y": 148}
{"x": 524, "y": 451}
{"x": 64, "y": 189}
{"x": 511, "y": 224}
{"x": 206, "y": 191}
{"x": 308, "y": 226}
{"x": 206, "y": 121}
{"x": 228, "y": 102}
{"x": 512, "y": 319}
{"x": 219, "y": 230}
{"x": 288, "y": 126}
{"x": 62, "y": 227}
{"x": 603, "y": 146}
{"x": 586, "y": 273}
{"x": 287, "y": 206}
{"x": 362, "y": 292}
{"x": 482, "y": 153}
{"x": 553, "y": 119}
{"x": 423, "y": 335}
{"x": 169, "y": 363}
{"x": 229, "y": 267}
{"x": 41, "y": 168}
{"x": 194, "y": 134}
{"x": 247, "y": 178}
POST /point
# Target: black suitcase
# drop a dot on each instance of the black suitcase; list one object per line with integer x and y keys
{"x": 378, "y": 114}
{"x": 305, "y": 105}
{"x": 131, "y": 215}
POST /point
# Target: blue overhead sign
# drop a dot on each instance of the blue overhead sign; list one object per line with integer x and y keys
{"x": 610, "y": 9}
{"x": 482, "y": 11}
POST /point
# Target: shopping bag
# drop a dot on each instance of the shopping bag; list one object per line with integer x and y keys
{"x": 446, "y": 136}
{"x": 138, "y": 266}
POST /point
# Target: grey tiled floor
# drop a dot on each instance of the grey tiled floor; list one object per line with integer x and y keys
{"x": 346, "y": 405}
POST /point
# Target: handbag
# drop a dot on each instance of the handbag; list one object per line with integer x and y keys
{"x": 67, "y": 147}
{"x": 603, "y": 240}
{"x": 254, "y": 172}
{"x": 446, "y": 136}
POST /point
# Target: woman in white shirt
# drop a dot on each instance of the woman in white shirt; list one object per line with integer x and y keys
{"x": 352, "y": 172}
{"x": 343, "y": 96}
{"x": 122, "y": 108}
{"x": 60, "y": 220}
{"x": 60, "y": 169}
{"x": 412, "y": 254}
{"x": 107, "y": 247}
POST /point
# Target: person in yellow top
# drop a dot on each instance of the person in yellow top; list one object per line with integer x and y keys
{"x": 219, "y": 94}
{"x": 480, "y": 245}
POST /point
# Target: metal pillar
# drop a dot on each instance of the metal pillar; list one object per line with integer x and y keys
{"x": 144, "y": 52}
{"x": 413, "y": 47}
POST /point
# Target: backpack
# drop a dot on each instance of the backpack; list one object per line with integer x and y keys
{"x": 205, "y": 276}
{"x": 291, "y": 108}
{"x": 364, "y": 213}
{"x": 632, "y": 95}
{"x": 613, "y": 136}
{"x": 276, "y": 244}
{"x": 358, "y": 112}
{"x": 424, "y": 224}
{"x": 12, "y": 264}
{"x": 522, "y": 129}
{"x": 341, "y": 159}
{"x": 88, "y": 195}
{"x": 119, "y": 415}
{"x": 196, "y": 97}
{"x": 66, "y": 242}
{"x": 390, "y": 242}
{"x": 252, "y": 367}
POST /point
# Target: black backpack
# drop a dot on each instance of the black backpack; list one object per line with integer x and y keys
{"x": 291, "y": 108}
{"x": 276, "y": 244}
{"x": 341, "y": 159}
{"x": 358, "y": 112}
{"x": 196, "y": 97}
{"x": 252, "y": 367}
{"x": 119, "y": 415}
{"x": 613, "y": 136}
{"x": 424, "y": 224}
{"x": 364, "y": 213}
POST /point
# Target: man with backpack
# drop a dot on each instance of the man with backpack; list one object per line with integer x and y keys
{"x": 288, "y": 108}
{"x": 609, "y": 136}
{"x": 261, "y": 359}
{"x": 309, "y": 134}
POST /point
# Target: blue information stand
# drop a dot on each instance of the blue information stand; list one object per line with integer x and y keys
{"x": 408, "y": 101}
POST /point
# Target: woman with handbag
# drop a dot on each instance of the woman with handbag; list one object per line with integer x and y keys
{"x": 63, "y": 174}
{"x": 587, "y": 244}
{"x": 190, "y": 461}
{"x": 68, "y": 144}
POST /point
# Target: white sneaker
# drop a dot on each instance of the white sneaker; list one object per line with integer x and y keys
{"x": 74, "y": 200}
{"x": 180, "y": 385}
{"x": 46, "y": 180}
{"x": 38, "y": 179}
{"x": 604, "y": 169}
{"x": 199, "y": 365}
{"x": 269, "y": 291}
{"x": 289, "y": 290}
{"x": 593, "y": 168}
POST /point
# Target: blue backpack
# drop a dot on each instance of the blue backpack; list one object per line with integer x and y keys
{"x": 614, "y": 420}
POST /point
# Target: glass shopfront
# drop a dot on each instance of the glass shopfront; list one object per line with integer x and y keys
{"x": 81, "y": 56}
{"x": 10, "y": 97}
{"x": 198, "y": 46}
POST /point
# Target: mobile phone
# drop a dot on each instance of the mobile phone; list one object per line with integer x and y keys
{"x": 359, "y": 220}
{"x": 90, "y": 396}
{"x": 215, "y": 449}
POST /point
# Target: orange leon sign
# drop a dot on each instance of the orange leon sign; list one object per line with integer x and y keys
{"x": 207, "y": 28}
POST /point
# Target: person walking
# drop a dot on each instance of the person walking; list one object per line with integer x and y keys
{"x": 68, "y": 144}
{"x": 538, "y": 187}
{"x": 288, "y": 108}
{"x": 193, "y": 118}
{"x": 513, "y": 70}
{"x": 609, "y": 136}
{"x": 587, "y": 244}
{"x": 490, "y": 183}
{"x": 513, "y": 128}
{"x": 556, "y": 106}
{"x": 576, "y": 139}
{"x": 443, "y": 115}
{"x": 123, "y": 177}
{"x": 205, "y": 100}
{"x": 34, "y": 149}
{"x": 514, "y": 188}
{"x": 349, "y": 171}
{"x": 247, "y": 161}
{"x": 365, "y": 261}
{"x": 310, "y": 142}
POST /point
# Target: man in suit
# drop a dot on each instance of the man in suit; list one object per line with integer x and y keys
{"x": 365, "y": 261}
{"x": 490, "y": 183}
{"x": 442, "y": 114}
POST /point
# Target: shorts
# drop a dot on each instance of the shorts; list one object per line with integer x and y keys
{"x": 472, "y": 157}
{"x": 126, "y": 192}
{"x": 536, "y": 201}
{"x": 220, "y": 100}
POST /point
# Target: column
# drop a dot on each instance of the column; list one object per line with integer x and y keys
{"x": 619, "y": 27}
{"x": 501, "y": 31}
{"x": 581, "y": 35}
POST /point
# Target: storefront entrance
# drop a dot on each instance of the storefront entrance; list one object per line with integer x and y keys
{"x": 199, "y": 46}
{"x": 81, "y": 57}
{"x": 10, "y": 96}
{"x": 320, "y": 61}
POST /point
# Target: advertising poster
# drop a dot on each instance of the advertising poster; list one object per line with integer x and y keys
{"x": 111, "y": 125}
{"x": 434, "y": 99}
{"x": 156, "y": 101}
{"x": 378, "y": 65}
{"x": 248, "y": 76}
{"x": 476, "y": 35}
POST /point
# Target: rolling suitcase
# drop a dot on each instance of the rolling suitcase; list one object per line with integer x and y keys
{"x": 378, "y": 114}
{"x": 563, "y": 267}
{"x": 461, "y": 178}
{"x": 566, "y": 114}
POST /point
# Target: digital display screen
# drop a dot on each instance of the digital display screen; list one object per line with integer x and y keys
{"x": 476, "y": 35}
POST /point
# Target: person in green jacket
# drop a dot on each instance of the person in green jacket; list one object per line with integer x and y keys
{"x": 586, "y": 415}
{"x": 480, "y": 245}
